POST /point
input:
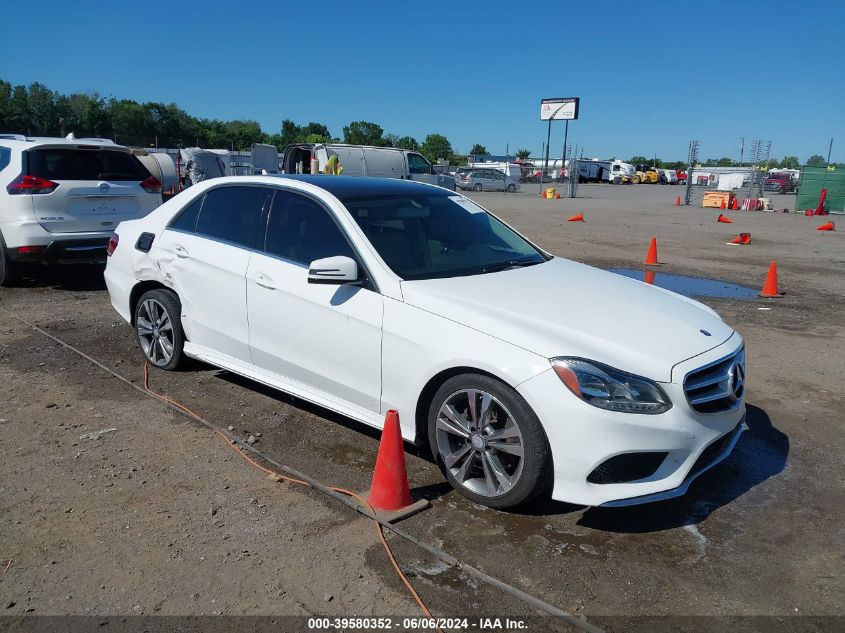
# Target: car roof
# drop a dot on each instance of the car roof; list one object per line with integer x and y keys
{"x": 17, "y": 140}
{"x": 358, "y": 187}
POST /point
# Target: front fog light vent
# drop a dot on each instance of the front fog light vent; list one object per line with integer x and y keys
{"x": 626, "y": 467}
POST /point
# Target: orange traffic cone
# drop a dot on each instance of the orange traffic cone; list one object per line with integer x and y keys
{"x": 577, "y": 218}
{"x": 770, "y": 287}
{"x": 651, "y": 257}
{"x": 723, "y": 205}
{"x": 724, "y": 219}
{"x": 830, "y": 226}
{"x": 390, "y": 494}
{"x": 557, "y": 196}
{"x": 648, "y": 276}
{"x": 678, "y": 201}
{"x": 742, "y": 239}
{"x": 734, "y": 205}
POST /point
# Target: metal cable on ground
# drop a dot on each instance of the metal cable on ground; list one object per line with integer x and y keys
{"x": 301, "y": 482}
{"x": 361, "y": 508}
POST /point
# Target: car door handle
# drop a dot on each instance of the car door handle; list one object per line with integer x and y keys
{"x": 180, "y": 252}
{"x": 264, "y": 281}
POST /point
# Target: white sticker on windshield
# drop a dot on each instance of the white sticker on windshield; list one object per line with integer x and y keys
{"x": 467, "y": 204}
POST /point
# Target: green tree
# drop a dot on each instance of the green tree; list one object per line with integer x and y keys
{"x": 816, "y": 161}
{"x": 522, "y": 154}
{"x": 725, "y": 162}
{"x": 363, "y": 133}
{"x": 436, "y": 146}
{"x": 391, "y": 139}
{"x": 41, "y": 104}
{"x": 790, "y": 162}
{"x": 131, "y": 123}
{"x": 408, "y": 142}
{"x": 639, "y": 160}
{"x": 478, "y": 150}
{"x": 18, "y": 116}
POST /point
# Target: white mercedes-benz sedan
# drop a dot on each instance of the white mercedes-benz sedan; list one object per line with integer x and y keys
{"x": 521, "y": 370}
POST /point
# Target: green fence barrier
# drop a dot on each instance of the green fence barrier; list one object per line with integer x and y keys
{"x": 810, "y": 189}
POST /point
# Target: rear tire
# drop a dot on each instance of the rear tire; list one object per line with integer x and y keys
{"x": 499, "y": 457}
{"x": 9, "y": 270}
{"x": 476, "y": 186}
{"x": 158, "y": 328}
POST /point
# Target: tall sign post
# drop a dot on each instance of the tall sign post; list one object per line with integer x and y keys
{"x": 562, "y": 109}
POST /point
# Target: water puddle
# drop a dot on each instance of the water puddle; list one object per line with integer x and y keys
{"x": 689, "y": 286}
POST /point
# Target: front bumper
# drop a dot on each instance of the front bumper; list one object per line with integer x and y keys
{"x": 583, "y": 437}
{"x": 708, "y": 458}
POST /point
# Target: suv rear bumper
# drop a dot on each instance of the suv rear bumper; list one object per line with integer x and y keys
{"x": 63, "y": 251}
{"x": 49, "y": 247}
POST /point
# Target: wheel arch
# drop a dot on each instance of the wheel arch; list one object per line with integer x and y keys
{"x": 431, "y": 387}
{"x": 138, "y": 291}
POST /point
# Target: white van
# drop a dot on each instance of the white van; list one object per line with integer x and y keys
{"x": 365, "y": 160}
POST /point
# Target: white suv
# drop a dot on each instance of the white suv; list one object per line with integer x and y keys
{"x": 61, "y": 198}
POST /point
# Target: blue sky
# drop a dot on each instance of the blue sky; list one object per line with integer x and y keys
{"x": 649, "y": 79}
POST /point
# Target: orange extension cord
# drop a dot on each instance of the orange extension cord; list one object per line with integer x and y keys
{"x": 269, "y": 471}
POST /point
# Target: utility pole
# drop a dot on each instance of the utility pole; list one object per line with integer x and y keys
{"x": 827, "y": 166}
{"x": 741, "y": 149}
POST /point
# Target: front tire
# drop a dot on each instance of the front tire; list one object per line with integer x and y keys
{"x": 488, "y": 442}
{"x": 158, "y": 328}
{"x": 510, "y": 188}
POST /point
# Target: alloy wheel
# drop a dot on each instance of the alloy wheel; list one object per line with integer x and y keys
{"x": 479, "y": 442}
{"x": 155, "y": 332}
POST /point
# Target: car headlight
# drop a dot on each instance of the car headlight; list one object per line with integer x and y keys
{"x": 608, "y": 388}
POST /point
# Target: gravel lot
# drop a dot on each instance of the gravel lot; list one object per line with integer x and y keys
{"x": 161, "y": 517}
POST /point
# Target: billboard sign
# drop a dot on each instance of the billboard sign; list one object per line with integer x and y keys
{"x": 559, "y": 109}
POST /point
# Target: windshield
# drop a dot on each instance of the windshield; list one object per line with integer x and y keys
{"x": 430, "y": 236}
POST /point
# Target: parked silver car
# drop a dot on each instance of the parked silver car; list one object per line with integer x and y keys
{"x": 486, "y": 180}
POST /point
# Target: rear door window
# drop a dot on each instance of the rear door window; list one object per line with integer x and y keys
{"x": 301, "y": 230}
{"x": 235, "y": 214}
{"x": 71, "y": 163}
{"x": 187, "y": 218}
{"x": 5, "y": 157}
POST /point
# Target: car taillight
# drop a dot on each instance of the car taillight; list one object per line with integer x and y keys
{"x": 28, "y": 185}
{"x": 113, "y": 240}
{"x": 151, "y": 185}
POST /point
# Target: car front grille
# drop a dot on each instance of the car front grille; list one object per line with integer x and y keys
{"x": 717, "y": 387}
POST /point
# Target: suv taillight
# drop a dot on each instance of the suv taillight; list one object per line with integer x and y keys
{"x": 151, "y": 185}
{"x": 28, "y": 185}
{"x": 113, "y": 241}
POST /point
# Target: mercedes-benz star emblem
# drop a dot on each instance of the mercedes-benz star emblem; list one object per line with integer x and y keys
{"x": 736, "y": 380}
{"x": 104, "y": 186}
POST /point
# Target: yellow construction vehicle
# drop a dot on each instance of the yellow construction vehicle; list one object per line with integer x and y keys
{"x": 646, "y": 174}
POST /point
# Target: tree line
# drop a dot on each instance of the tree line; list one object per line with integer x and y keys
{"x": 35, "y": 110}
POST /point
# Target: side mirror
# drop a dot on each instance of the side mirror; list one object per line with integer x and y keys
{"x": 333, "y": 270}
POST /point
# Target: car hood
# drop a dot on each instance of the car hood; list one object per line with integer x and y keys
{"x": 563, "y": 308}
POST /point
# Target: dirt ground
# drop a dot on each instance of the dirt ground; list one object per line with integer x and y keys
{"x": 160, "y": 517}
